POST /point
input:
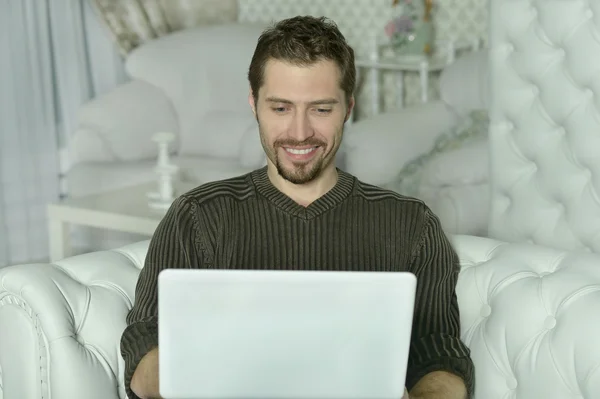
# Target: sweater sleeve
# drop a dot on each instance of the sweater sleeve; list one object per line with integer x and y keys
{"x": 172, "y": 246}
{"x": 435, "y": 342}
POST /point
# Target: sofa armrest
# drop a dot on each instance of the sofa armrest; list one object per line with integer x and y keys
{"x": 529, "y": 316}
{"x": 61, "y": 325}
{"x": 118, "y": 125}
{"x": 377, "y": 148}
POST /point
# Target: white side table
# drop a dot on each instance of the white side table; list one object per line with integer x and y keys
{"x": 123, "y": 210}
{"x": 400, "y": 64}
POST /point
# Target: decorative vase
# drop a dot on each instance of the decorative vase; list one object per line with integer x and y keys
{"x": 419, "y": 42}
{"x": 412, "y": 32}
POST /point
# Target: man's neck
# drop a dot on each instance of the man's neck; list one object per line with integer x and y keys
{"x": 304, "y": 194}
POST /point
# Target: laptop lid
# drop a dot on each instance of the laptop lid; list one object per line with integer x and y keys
{"x": 233, "y": 334}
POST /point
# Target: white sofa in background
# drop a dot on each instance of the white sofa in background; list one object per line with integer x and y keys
{"x": 528, "y": 308}
{"x": 454, "y": 184}
{"x": 192, "y": 83}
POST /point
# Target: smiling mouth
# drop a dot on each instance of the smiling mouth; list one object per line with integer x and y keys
{"x": 300, "y": 151}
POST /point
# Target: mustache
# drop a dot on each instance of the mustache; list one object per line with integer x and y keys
{"x": 295, "y": 143}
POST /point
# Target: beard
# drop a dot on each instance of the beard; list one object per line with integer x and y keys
{"x": 298, "y": 172}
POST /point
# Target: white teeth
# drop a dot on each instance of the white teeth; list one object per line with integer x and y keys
{"x": 300, "y": 152}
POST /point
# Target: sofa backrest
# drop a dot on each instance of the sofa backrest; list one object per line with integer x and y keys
{"x": 204, "y": 72}
{"x": 545, "y": 123}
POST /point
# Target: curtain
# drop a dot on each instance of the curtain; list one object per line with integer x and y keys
{"x": 132, "y": 22}
{"x": 54, "y": 56}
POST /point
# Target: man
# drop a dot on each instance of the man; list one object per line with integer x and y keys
{"x": 300, "y": 212}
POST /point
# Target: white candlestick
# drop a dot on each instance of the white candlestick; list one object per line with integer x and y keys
{"x": 165, "y": 171}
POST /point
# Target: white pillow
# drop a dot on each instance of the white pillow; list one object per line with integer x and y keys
{"x": 377, "y": 148}
{"x": 458, "y": 157}
{"x": 464, "y": 84}
{"x": 467, "y": 165}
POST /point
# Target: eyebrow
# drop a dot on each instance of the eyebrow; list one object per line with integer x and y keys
{"x": 315, "y": 102}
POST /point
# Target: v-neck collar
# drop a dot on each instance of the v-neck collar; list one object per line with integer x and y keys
{"x": 340, "y": 191}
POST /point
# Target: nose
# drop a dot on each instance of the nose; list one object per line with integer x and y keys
{"x": 301, "y": 128}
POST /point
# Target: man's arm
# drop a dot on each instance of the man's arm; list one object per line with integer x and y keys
{"x": 439, "y": 364}
{"x": 172, "y": 246}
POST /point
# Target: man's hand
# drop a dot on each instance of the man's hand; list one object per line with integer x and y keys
{"x": 405, "y": 396}
{"x": 145, "y": 378}
{"x": 439, "y": 385}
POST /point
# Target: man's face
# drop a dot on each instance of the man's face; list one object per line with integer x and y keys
{"x": 301, "y": 112}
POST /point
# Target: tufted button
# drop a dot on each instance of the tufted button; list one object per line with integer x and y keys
{"x": 562, "y": 52}
{"x": 589, "y": 13}
{"x": 561, "y": 130}
{"x": 534, "y": 167}
{"x": 550, "y": 322}
{"x": 79, "y": 338}
{"x": 511, "y": 382}
{"x": 510, "y": 48}
{"x": 589, "y": 93}
{"x": 486, "y": 310}
{"x": 535, "y": 90}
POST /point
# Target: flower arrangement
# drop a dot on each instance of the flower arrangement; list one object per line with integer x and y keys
{"x": 412, "y": 30}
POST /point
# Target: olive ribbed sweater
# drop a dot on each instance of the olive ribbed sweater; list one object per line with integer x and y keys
{"x": 247, "y": 223}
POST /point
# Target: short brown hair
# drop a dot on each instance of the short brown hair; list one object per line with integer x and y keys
{"x": 303, "y": 40}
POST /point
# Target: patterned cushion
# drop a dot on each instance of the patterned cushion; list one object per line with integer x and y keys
{"x": 473, "y": 127}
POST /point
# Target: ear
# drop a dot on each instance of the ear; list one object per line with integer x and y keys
{"x": 251, "y": 102}
{"x": 351, "y": 104}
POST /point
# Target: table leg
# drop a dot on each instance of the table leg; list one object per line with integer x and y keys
{"x": 375, "y": 94}
{"x": 59, "y": 239}
{"x": 424, "y": 78}
{"x": 399, "y": 89}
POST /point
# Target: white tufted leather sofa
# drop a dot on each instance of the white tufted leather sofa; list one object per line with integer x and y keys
{"x": 529, "y": 315}
{"x": 529, "y": 310}
{"x": 60, "y": 325}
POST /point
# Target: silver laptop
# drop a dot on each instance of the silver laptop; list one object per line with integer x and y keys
{"x": 240, "y": 334}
